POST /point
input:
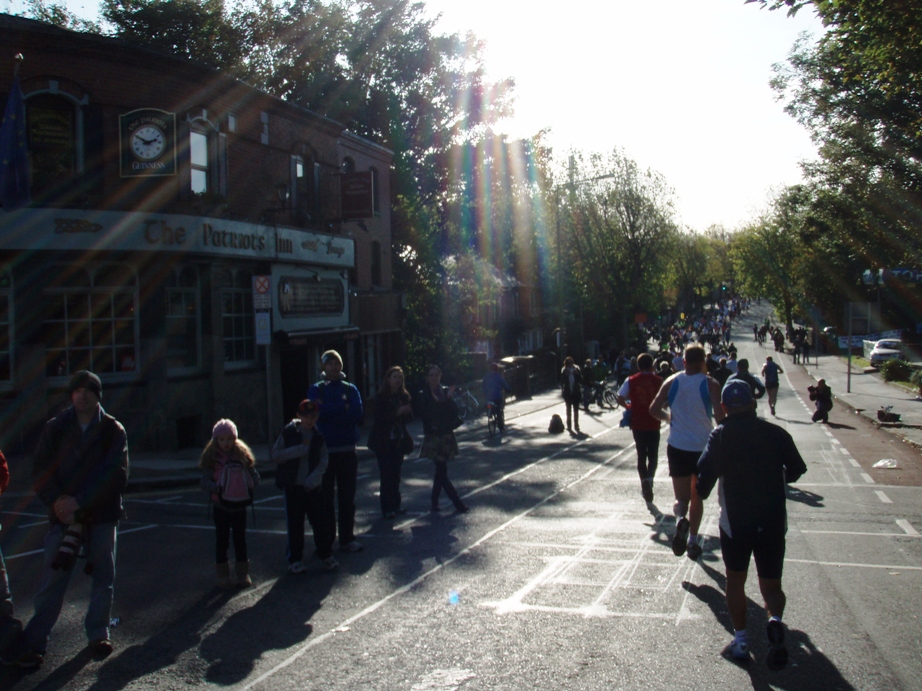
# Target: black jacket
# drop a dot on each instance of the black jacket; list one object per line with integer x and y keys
{"x": 90, "y": 466}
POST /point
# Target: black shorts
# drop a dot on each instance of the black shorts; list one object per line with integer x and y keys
{"x": 765, "y": 544}
{"x": 682, "y": 463}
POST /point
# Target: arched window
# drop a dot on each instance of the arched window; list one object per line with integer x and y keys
{"x": 54, "y": 130}
{"x": 206, "y": 157}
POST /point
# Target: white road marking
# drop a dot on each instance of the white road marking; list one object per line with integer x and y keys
{"x": 853, "y": 564}
{"x": 443, "y": 680}
{"x": 858, "y": 533}
{"x": 855, "y": 464}
{"x": 31, "y": 525}
{"x": 907, "y": 526}
{"x": 883, "y": 497}
{"x": 867, "y": 478}
{"x": 166, "y": 500}
{"x": 322, "y": 638}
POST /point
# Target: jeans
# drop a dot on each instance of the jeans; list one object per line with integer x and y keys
{"x": 341, "y": 474}
{"x": 100, "y": 550}
{"x": 390, "y": 463}
{"x": 300, "y": 503}
{"x": 647, "y": 451}
{"x": 225, "y": 523}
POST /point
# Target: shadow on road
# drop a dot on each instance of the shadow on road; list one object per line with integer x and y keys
{"x": 804, "y": 497}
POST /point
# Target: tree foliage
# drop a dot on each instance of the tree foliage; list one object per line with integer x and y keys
{"x": 620, "y": 229}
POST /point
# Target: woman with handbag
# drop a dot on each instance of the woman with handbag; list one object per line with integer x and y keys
{"x": 389, "y": 438}
{"x": 440, "y": 419}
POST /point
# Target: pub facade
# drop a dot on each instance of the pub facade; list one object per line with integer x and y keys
{"x": 194, "y": 241}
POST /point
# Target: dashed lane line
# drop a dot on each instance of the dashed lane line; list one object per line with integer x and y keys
{"x": 907, "y": 526}
{"x": 883, "y": 497}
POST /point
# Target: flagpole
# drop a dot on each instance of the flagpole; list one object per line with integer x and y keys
{"x": 18, "y": 63}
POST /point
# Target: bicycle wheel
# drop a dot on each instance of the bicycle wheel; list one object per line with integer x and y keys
{"x": 610, "y": 399}
{"x": 491, "y": 423}
{"x": 462, "y": 409}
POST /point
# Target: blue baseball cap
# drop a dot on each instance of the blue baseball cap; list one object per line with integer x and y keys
{"x": 736, "y": 395}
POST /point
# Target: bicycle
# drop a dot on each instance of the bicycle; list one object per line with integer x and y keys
{"x": 495, "y": 418}
{"x": 466, "y": 403}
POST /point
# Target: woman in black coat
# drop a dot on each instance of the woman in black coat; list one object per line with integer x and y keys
{"x": 440, "y": 416}
{"x": 389, "y": 438}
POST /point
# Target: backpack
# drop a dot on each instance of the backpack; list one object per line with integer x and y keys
{"x": 235, "y": 486}
{"x": 556, "y": 426}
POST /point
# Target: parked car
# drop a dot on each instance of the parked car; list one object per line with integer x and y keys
{"x": 886, "y": 349}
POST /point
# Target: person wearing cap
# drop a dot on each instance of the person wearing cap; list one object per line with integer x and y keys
{"x": 693, "y": 399}
{"x": 302, "y": 458}
{"x": 80, "y": 470}
{"x": 753, "y": 460}
{"x": 743, "y": 374}
{"x": 340, "y": 415}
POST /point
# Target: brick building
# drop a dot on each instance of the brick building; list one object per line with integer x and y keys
{"x": 194, "y": 241}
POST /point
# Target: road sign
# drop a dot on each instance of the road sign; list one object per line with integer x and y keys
{"x": 263, "y": 328}
{"x": 262, "y": 293}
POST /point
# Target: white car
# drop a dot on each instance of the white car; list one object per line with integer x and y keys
{"x": 884, "y": 350}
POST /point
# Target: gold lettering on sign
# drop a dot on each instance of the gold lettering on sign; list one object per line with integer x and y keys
{"x": 332, "y": 249}
{"x": 75, "y": 225}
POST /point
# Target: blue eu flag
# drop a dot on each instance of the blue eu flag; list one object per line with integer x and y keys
{"x": 14, "y": 160}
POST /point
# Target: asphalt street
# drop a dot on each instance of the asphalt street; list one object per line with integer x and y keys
{"x": 561, "y": 576}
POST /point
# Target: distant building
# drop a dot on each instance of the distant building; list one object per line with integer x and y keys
{"x": 179, "y": 220}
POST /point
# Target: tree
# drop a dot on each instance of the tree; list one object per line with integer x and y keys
{"x": 619, "y": 232}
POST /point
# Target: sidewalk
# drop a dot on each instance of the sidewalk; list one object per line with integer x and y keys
{"x": 151, "y": 470}
{"x": 868, "y": 393}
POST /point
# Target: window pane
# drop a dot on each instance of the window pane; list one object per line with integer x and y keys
{"x": 124, "y": 305}
{"x": 102, "y": 361}
{"x": 102, "y": 333}
{"x": 127, "y": 362}
{"x": 79, "y": 335}
{"x": 102, "y": 306}
{"x": 124, "y": 332}
{"x": 55, "y": 363}
{"x": 78, "y": 306}
{"x": 78, "y": 360}
{"x": 198, "y": 149}
{"x": 199, "y": 181}
{"x": 54, "y": 308}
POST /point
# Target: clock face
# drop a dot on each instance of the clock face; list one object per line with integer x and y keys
{"x": 147, "y": 142}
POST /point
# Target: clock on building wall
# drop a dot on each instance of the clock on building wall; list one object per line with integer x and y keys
{"x": 147, "y": 143}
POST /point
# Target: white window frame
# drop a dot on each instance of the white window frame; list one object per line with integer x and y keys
{"x": 243, "y": 323}
{"x": 69, "y": 346}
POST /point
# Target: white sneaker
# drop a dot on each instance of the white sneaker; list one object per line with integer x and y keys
{"x": 297, "y": 567}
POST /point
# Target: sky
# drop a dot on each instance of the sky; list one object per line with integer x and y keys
{"x": 682, "y": 86}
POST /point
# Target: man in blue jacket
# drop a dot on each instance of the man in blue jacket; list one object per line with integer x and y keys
{"x": 753, "y": 460}
{"x": 80, "y": 471}
{"x": 340, "y": 414}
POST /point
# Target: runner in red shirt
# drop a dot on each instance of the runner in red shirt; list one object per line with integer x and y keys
{"x": 640, "y": 389}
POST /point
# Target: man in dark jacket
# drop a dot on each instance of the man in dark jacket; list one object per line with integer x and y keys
{"x": 340, "y": 414}
{"x": 753, "y": 460}
{"x": 80, "y": 471}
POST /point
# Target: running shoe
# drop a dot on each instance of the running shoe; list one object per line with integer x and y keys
{"x": 680, "y": 541}
{"x": 738, "y": 649}
{"x": 778, "y": 652}
{"x": 297, "y": 567}
{"x": 694, "y": 550}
